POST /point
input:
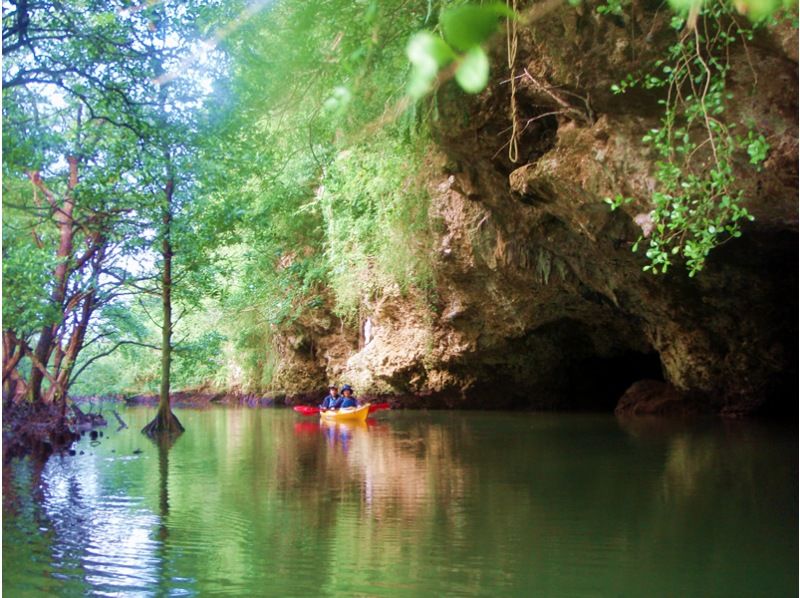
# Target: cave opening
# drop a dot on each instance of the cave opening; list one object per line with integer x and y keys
{"x": 583, "y": 382}
{"x": 596, "y": 383}
{"x": 559, "y": 366}
{"x": 768, "y": 260}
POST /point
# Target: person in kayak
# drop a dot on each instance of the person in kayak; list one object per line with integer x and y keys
{"x": 348, "y": 400}
{"x": 332, "y": 399}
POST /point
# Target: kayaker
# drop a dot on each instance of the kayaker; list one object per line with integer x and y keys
{"x": 348, "y": 400}
{"x": 332, "y": 399}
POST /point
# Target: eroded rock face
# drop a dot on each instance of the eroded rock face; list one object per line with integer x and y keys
{"x": 541, "y": 302}
{"x": 312, "y": 354}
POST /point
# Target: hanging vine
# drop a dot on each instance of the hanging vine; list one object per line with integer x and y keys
{"x": 511, "y": 45}
{"x": 697, "y": 204}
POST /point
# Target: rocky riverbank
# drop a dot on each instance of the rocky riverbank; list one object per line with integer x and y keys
{"x": 539, "y": 300}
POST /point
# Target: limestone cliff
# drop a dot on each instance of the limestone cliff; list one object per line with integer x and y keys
{"x": 540, "y": 301}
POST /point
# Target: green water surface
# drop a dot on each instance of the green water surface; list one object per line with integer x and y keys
{"x": 264, "y": 502}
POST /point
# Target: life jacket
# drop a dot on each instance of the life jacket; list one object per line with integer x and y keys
{"x": 349, "y": 402}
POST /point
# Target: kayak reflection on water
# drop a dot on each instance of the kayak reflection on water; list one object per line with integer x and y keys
{"x": 341, "y": 434}
{"x": 336, "y": 433}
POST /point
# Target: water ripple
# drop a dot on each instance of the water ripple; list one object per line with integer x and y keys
{"x": 248, "y": 503}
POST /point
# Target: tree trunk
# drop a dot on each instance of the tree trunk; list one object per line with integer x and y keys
{"x": 12, "y": 353}
{"x": 165, "y": 421}
{"x": 63, "y": 217}
{"x": 68, "y": 357}
{"x": 14, "y": 388}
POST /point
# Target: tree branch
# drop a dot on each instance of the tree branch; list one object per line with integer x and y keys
{"x": 94, "y": 358}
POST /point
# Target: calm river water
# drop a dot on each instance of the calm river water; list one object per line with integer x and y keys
{"x": 266, "y": 503}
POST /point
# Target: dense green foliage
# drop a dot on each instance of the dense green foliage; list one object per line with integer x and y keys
{"x": 96, "y": 125}
{"x": 311, "y": 198}
{"x": 328, "y": 199}
{"x": 297, "y": 137}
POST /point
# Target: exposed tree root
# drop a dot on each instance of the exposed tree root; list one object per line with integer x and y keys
{"x": 35, "y": 428}
{"x": 164, "y": 424}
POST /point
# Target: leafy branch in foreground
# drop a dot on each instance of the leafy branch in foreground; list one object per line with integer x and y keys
{"x": 464, "y": 29}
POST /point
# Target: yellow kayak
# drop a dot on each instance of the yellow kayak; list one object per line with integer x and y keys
{"x": 347, "y": 414}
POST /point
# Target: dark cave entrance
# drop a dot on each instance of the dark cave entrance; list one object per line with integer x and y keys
{"x": 558, "y": 366}
{"x": 596, "y": 383}
{"x": 581, "y": 382}
{"x": 582, "y": 377}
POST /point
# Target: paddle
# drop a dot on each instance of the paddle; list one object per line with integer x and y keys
{"x": 373, "y": 407}
{"x": 306, "y": 410}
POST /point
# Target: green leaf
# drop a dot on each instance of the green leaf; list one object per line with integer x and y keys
{"x": 425, "y": 50}
{"x": 337, "y": 103}
{"x": 473, "y": 72}
{"x": 682, "y": 7}
{"x": 758, "y": 10}
{"x": 427, "y": 54}
{"x": 470, "y": 25}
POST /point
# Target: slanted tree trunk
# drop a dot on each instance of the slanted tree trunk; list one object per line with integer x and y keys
{"x": 64, "y": 221}
{"x": 165, "y": 421}
{"x": 68, "y": 356}
{"x": 13, "y": 350}
{"x": 74, "y": 294}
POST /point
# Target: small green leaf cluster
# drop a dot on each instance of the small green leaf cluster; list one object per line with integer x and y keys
{"x": 757, "y": 148}
{"x": 464, "y": 29}
{"x": 693, "y": 213}
{"x": 756, "y": 10}
{"x": 612, "y": 7}
{"x": 697, "y": 204}
{"x": 617, "y": 201}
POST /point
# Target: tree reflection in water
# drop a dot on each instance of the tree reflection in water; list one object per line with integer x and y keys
{"x": 254, "y": 502}
{"x": 89, "y": 528}
{"x": 164, "y": 443}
